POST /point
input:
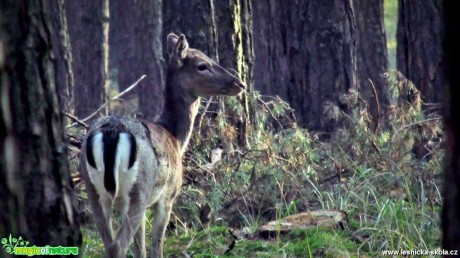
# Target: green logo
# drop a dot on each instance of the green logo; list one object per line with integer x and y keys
{"x": 19, "y": 246}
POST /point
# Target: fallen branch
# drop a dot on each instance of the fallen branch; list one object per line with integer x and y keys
{"x": 131, "y": 87}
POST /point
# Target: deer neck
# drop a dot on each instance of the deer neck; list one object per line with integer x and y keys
{"x": 179, "y": 111}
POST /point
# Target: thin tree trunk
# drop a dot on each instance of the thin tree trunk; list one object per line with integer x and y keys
{"x": 36, "y": 188}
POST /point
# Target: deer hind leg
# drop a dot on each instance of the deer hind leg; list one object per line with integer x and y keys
{"x": 130, "y": 224}
{"x": 106, "y": 205}
{"x": 139, "y": 241}
{"x": 99, "y": 211}
{"x": 161, "y": 214}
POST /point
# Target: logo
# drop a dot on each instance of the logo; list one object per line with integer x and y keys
{"x": 19, "y": 246}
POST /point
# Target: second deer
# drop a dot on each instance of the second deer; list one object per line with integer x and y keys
{"x": 129, "y": 165}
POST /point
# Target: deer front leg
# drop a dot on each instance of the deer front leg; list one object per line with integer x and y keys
{"x": 139, "y": 241}
{"x": 161, "y": 214}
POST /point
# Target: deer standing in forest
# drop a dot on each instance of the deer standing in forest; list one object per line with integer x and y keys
{"x": 129, "y": 165}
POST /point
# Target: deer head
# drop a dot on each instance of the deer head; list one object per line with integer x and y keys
{"x": 196, "y": 73}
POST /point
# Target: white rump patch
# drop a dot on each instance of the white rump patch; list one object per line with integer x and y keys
{"x": 124, "y": 177}
{"x": 98, "y": 151}
{"x": 97, "y": 175}
{"x": 123, "y": 152}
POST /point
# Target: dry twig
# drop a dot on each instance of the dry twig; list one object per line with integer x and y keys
{"x": 131, "y": 87}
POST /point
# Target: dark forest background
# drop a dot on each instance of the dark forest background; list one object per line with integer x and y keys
{"x": 325, "y": 69}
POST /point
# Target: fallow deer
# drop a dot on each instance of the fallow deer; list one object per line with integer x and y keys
{"x": 129, "y": 165}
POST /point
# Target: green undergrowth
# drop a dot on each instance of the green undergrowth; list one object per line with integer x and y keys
{"x": 217, "y": 242}
{"x": 383, "y": 172}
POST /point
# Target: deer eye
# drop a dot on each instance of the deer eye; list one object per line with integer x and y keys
{"x": 202, "y": 67}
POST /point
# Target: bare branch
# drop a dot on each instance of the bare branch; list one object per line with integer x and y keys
{"x": 131, "y": 87}
{"x": 75, "y": 119}
{"x": 414, "y": 123}
{"x": 204, "y": 113}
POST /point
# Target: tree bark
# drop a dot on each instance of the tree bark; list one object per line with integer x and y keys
{"x": 195, "y": 22}
{"x": 149, "y": 48}
{"x": 63, "y": 60}
{"x": 36, "y": 188}
{"x": 88, "y": 30}
{"x": 372, "y": 55}
{"x": 451, "y": 57}
{"x": 137, "y": 50}
{"x": 419, "y": 37}
{"x": 305, "y": 53}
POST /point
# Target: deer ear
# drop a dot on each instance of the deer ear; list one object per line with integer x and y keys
{"x": 181, "y": 46}
{"x": 177, "y": 46}
{"x": 171, "y": 42}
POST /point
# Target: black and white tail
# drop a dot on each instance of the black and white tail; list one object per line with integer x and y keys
{"x": 110, "y": 150}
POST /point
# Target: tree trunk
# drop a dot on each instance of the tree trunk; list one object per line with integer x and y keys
{"x": 88, "y": 30}
{"x": 194, "y": 19}
{"x": 63, "y": 60}
{"x": 123, "y": 24}
{"x": 372, "y": 54}
{"x": 149, "y": 48}
{"x": 36, "y": 188}
{"x": 419, "y": 37}
{"x": 451, "y": 61}
{"x": 137, "y": 42}
{"x": 305, "y": 53}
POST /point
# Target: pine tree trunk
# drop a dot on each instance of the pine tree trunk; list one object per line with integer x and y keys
{"x": 88, "y": 30}
{"x": 419, "y": 37}
{"x": 136, "y": 47}
{"x": 305, "y": 53}
{"x": 36, "y": 188}
{"x": 148, "y": 42}
{"x": 372, "y": 55}
{"x": 63, "y": 60}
